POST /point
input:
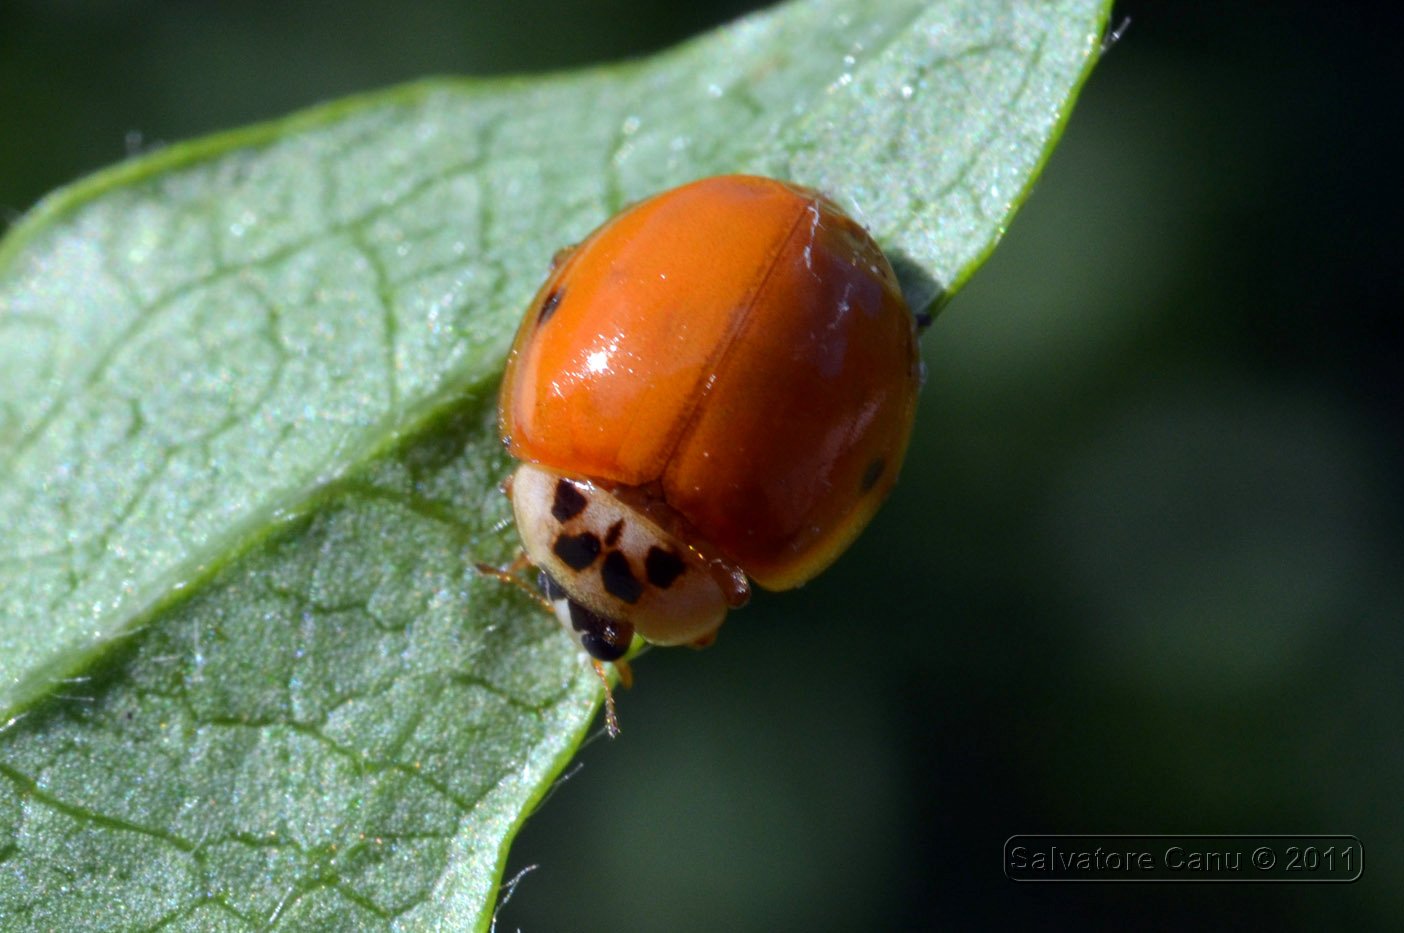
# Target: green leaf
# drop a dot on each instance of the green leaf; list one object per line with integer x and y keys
{"x": 248, "y": 452}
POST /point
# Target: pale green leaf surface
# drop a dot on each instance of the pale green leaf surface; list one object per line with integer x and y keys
{"x": 247, "y": 450}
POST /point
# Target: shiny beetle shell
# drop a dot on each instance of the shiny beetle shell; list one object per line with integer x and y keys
{"x": 733, "y": 361}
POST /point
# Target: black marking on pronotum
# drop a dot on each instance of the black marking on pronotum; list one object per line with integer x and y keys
{"x": 662, "y": 567}
{"x": 604, "y": 639}
{"x": 569, "y": 501}
{"x": 577, "y": 551}
{"x": 873, "y": 473}
{"x": 549, "y": 305}
{"x": 615, "y": 530}
{"x": 618, "y": 577}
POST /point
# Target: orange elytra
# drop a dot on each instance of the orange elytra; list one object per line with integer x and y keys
{"x": 715, "y": 386}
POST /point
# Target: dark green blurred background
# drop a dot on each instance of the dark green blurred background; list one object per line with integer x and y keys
{"x": 1142, "y": 572}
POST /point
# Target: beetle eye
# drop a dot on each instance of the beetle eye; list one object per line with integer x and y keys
{"x": 602, "y": 638}
{"x": 610, "y": 645}
{"x": 549, "y": 587}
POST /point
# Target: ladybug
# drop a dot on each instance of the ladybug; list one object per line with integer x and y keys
{"x": 716, "y": 387}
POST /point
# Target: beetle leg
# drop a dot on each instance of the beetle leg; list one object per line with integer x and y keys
{"x": 625, "y": 672}
{"x": 611, "y": 718}
{"x": 511, "y": 575}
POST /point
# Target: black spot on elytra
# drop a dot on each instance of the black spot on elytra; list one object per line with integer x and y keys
{"x": 549, "y": 305}
{"x": 619, "y": 579}
{"x": 873, "y": 473}
{"x": 569, "y": 501}
{"x": 615, "y": 530}
{"x": 577, "y": 551}
{"x": 602, "y": 638}
{"x": 662, "y": 567}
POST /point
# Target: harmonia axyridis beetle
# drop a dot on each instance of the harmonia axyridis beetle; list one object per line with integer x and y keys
{"x": 717, "y": 384}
